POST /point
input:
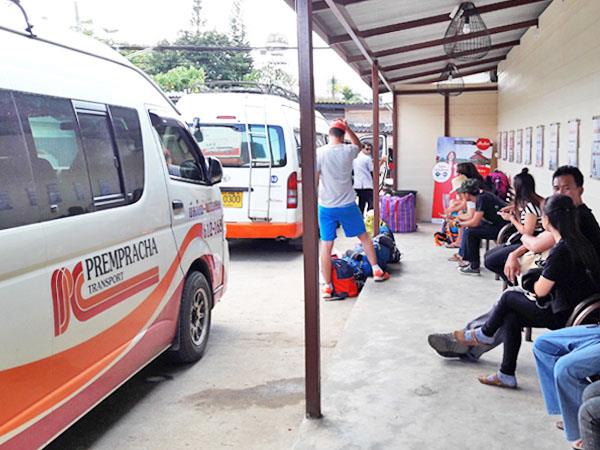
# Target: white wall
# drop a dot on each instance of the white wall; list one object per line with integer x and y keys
{"x": 421, "y": 122}
{"x": 554, "y": 76}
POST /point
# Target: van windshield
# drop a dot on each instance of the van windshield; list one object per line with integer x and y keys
{"x": 229, "y": 144}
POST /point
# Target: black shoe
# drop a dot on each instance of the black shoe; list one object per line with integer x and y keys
{"x": 468, "y": 270}
{"x": 445, "y": 345}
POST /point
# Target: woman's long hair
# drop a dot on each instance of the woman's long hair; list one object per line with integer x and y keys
{"x": 562, "y": 215}
{"x": 524, "y": 185}
{"x": 469, "y": 170}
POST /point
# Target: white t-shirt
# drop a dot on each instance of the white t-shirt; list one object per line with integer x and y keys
{"x": 363, "y": 166}
{"x": 334, "y": 165}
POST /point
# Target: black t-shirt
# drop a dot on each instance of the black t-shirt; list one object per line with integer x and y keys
{"x": 490, "y": 204}
{"x": 589, "y": 227}
{"x": 568, "y": 272}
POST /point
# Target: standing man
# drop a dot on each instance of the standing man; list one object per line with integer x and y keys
{"x": 363, "y": 176}
{"x": 363, "y": 180}
{"x": 337, "y": 201}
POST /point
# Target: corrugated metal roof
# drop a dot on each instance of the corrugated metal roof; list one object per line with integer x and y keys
{"x": 406, "y": 36}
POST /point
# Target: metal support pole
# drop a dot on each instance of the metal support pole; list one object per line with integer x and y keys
{"x": 375, "y": 86}
{"x": 446, "y": 115}
{"x": 395, "y": 141}
{"x": 309, "y": 211}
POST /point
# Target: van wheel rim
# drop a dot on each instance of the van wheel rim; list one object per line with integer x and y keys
{"x": 198, "y": 317}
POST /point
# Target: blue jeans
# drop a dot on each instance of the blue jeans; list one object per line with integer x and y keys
{"x": 564, "y": 359}
{"x": 471, "y": 241}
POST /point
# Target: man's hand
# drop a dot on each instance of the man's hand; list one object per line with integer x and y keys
{"x": 512, "y": 268}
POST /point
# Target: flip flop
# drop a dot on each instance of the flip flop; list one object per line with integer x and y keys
{"x": 455, "y": 258}
{"x": 577, "y": 445}
{"x": 493, "y": 380}
{"x": 560, "y": 425}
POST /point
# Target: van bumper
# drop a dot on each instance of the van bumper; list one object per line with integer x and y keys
{"x": 263, "y": 230}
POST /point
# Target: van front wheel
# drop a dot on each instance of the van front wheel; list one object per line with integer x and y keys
{"x": 194, "y": 318}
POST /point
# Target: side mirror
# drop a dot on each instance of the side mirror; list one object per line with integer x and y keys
{"x": 215, "y": 170}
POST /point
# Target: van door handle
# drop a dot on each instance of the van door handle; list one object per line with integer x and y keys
{"x": 177, "y": 205}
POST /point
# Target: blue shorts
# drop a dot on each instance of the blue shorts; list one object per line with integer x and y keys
{"x": 348, "y": 216}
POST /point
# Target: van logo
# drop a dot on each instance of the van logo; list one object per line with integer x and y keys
{"x": 106, "y": 283}
{"x": 226, "y": 178}
{"x": 274, "y": 179}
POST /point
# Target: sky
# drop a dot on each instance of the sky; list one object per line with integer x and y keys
{"x": 145, "y": 22}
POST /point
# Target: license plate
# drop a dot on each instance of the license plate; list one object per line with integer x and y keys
{"x": 232, "y": 199}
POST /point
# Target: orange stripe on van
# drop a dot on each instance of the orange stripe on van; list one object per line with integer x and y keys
{"x": 61, "y": 375}
{"x": 263, "y": 230}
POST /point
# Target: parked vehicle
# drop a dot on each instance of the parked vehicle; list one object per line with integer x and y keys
{"x": 262, "y": 186}
{"x": 111, "y": 232}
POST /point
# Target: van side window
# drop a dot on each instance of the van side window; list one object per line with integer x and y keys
{"x": 100, "y": 156}
{"x": 59, "y": 167}
{"x": 128, "y": 135}
{"x": 18, "y": 198}
{"x": 182, "y": 155}
{"x": 298, "y": 145}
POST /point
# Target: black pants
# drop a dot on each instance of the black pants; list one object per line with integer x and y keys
{"x": 471, "y": 241}
{"x": 513, "y": 312}
{"x": 365, "y": 198}
{"x": 495, "y": 259}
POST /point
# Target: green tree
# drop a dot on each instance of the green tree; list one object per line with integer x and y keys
{"x": 181, "y": 79}
{"x": 197, "y": 22}
{"x": 273, "y": 74}
{"x": 242, "y": 61}
{"x": 350, "y": 96}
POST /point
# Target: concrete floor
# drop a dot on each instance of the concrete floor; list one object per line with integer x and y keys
{"x": 248, "y": 390}
{"x": 386, "y": 389}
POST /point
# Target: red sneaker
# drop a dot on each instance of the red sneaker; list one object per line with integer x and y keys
{"x": 380, "y": 275}
{"x": 326, "y": 291}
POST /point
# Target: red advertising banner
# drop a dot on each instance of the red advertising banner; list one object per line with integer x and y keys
{"x": 450, "y": 152}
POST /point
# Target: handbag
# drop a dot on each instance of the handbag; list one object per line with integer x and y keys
{"x": 528, "y": 281}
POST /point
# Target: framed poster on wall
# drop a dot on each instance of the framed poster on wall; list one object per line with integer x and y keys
{"x": 511, "y": 146}
{"x": 519, "y": 146}
{"x": 553, "y": 146}
{"x": 504, "y": 145}
{"x": 539, "y": 146}
{"x": 527, "y": 146}
{"x": 498, "y": 146}
{"x": 573, "y": 142}
{"x": 596, "y": 147}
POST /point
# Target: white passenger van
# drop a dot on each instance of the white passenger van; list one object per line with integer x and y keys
{"x": 111, "y": 232}
{"x": 261, "y": 186}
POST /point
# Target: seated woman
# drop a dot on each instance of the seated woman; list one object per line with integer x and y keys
{"x": 564, "y": 282}
{"x": 525, "y": 214}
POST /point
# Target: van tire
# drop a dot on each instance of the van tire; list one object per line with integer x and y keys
{"x": 194, "y": 319}
{"x": 296, "y": 244}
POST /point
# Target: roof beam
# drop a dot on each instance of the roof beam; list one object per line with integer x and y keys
{"x": 346, "y": 21}
{"x": 438, "y": 70}
{"x": 434, "y": 91}
{"x": 322, "y": 5}
{"x": 421, "y": 62}
{"x": 440, "y": 18}
{"x": 442, "y": 41}
{"x": 462, "y": 74}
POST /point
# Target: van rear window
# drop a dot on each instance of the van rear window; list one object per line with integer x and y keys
{"x": 229, "y": 143}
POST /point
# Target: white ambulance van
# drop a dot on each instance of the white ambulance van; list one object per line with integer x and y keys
{"x": 262, "y": 185}
{"x": 111, "y": 231}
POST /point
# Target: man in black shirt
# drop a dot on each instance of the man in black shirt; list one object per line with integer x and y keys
{"x": 485, "y": 224}
{"x": 566, "y": 180}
